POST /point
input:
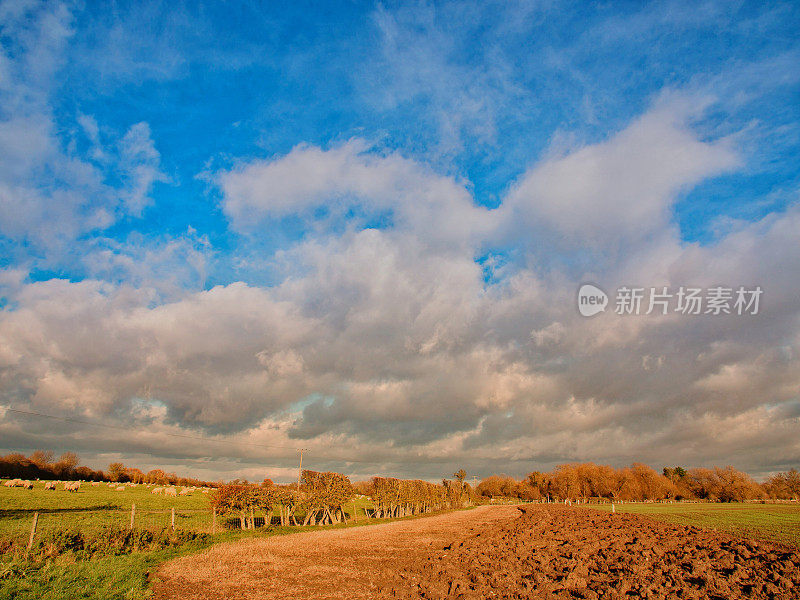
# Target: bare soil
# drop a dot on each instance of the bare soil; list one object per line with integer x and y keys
{"x": 560, "y": 552}
{"x": 539, "y": 551}
{"x": 355, "y": 563}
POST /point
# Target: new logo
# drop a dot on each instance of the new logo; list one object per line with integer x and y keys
{"x": 591, "y": 300}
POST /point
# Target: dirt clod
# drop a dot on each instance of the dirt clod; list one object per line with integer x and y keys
{"x": 558, "y": 552}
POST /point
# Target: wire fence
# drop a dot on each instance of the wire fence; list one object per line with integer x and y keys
{"x": 33, "y": 525}
{"x": 30, "y": 525}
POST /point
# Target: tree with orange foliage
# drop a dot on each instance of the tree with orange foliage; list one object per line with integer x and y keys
{"x": 784, "y": 486}
{"x": 325, "y": 495}
{"x": 241, "y": 500}
{"x": 565, "y": 483}
{"x": 723, "y": 485}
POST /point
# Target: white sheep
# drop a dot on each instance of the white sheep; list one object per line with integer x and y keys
{"x": 170, "y": 491}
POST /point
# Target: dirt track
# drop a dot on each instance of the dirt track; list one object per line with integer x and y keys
{"x": 355, "y": 563}
{"x": 492, "y": 552}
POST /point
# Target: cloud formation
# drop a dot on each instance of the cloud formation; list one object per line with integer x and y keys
{"x": 349, "y": 178}
{"x": 362, "y": 298}
{"x": 393, "y": 341}
{"x": 621, "y": 191}
{"x": 52, "y": 192}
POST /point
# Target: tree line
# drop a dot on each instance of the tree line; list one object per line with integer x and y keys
{"x": 395, "y": 497}
{"x": 325, "y": 498}
{"x": 42, "y": 464}
{"x": 639, "y": 482}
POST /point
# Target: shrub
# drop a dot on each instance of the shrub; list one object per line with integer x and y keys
{"x": 110, "y": 540}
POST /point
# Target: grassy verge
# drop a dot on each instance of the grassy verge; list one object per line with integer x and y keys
{"x": 110, "y": 578}
{"x": 769, "y": 522}
{"x": 120, "y": 577}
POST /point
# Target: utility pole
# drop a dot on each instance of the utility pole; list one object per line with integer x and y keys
{"x": 300, "y": 470}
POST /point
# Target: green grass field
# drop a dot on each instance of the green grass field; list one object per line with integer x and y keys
{"x": 771, "y": 522}
{"x": 101, "y": 496}
{"x": 94, "y": 506}
{"x": 123, "y": 577}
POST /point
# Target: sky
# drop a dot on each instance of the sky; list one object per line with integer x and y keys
{"x": 232, "y": 230}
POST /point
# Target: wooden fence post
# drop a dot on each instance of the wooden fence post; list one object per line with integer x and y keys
{"x": 133, "y": 514}
{"x": 33, "y": 529}
{"x": 173, "y": 518}
{"x": 214, "y": 521}
{"x": 355, "y": 513}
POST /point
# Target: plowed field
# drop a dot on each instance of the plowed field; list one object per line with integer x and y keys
{"x": 558, "y": 552}
{"x": 539, "y": 551}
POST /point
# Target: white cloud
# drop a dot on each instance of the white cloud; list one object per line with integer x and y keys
{"x": 50, "y": 194}
{"x": 140, "y": 159}
{"x": 439, "y": 210}
{"x": 620, "y": 192}
{"x": 281, "y": 363}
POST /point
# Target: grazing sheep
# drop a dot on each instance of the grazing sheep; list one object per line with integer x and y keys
{"x": 170, "y": 491}
{"x": 95, "y": 483}
{"x": 120, "y": 488}
{"x": 9, "y": 483}
{"x": 184, "y": 492}
{"x": 157, "y": 491}
{"x": 72, "y": 486}
{"x": 27, "y": 485}
{"x": 50, "y": 485}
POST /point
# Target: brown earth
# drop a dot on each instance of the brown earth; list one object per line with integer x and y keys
{"x": 354, "y": 563}
{"x": 540, "y": 551}
{"x": 560, "y": 552}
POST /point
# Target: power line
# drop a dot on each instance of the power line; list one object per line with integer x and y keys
{"x": 251, "y": 444}
{"x": 120, "y": 428}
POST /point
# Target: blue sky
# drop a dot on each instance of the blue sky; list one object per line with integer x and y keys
{"x": 480, "y": 93}
{"x": 156, "y": 152}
